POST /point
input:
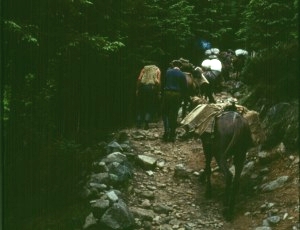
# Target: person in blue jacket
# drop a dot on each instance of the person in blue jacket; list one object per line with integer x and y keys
{"x": 174, "y": 88}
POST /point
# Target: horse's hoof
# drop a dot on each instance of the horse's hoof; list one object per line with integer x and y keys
{"x": 185, "y": 136}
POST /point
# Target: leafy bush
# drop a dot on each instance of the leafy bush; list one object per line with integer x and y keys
{"x": 275, "y": 71}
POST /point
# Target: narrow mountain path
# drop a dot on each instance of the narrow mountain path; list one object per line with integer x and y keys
{"x": 174, "y": 183}
{"x": 179, "y": 190}
{"x": 174, "y": 198}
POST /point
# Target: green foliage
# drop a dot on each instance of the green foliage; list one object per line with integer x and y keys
{"x": 65, "y": 146}
{"x": 28, "y": 33}
{"x": 159, "y": 28}
{"x": 6, "y": 102}
{"x": 86, "y": 2}
{"x": 266, "y": 24}
{"x": 177, "y": 21}
{"x": 70, "y": 66}
{"x": 217, "y": 21}
{"x": 97, "y": 42}
{"x": 30, "y": 39}
{"x": 12, "y": 26}
{"x": 113, "y": 46}
{"x": 275, "y": 72}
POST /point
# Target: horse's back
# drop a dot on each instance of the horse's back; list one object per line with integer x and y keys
{"x": 233, "y": 127}
{"x": 193, "y": 84}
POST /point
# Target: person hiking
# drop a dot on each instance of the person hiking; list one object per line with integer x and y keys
{"x": 147, "y": 90}
{"x": 212, "y": 68}
{"x": 173, "y": 90}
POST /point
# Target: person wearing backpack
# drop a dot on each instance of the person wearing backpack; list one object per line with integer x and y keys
{"x": 212, "y": 68}
{"x": 147, "y": 90}
{"x": 173, "y": 90}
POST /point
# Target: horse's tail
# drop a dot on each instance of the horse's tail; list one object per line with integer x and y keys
{"x": 241, "y": 131}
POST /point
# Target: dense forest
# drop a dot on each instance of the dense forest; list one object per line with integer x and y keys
{"x": 69, "y": 69}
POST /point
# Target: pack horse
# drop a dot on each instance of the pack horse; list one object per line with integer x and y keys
{"x": 231, "y": 139}
{"x": 194, "y": 80}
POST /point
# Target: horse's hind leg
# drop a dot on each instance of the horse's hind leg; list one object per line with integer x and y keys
{"x": 238, "y": 162}
{"x": 228, "y": 186}
{"x": 207, "y": 171}
{"x": 210, "y": 93}
{"x": 184, "y": 108}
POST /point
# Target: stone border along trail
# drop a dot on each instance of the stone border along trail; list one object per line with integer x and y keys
{"x": 174, "y": 197}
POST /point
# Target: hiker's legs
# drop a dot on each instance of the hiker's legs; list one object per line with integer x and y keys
{"x": 166, "y": 116}
{"x": 174, "y": 108}
{"x": 166, "y": 123}
{"x": 143, "y": 100}
{"x": 148, "y": 103}
{"x": 139, "y": 112}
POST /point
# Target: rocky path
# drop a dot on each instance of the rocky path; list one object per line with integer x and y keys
{"x": 163, "y": 191}
{"x": 172, "y": 189}
{"x": 169, "y": 196}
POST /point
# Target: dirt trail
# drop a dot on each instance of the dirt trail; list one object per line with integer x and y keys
{"x": 185, "y": 195}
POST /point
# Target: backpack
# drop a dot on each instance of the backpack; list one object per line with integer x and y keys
{"x": 149, "y": 75}
{"x": 186, "y": 65}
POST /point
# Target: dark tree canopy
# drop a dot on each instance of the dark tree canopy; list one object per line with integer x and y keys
{"x": 69, "y": 69}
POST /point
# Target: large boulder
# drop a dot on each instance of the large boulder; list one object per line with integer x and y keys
{"x": 117, "y": 217}
{"x": 281, "y": 125}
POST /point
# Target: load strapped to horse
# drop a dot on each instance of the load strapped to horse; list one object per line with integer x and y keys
{"x": 226, "y": 131}
{"x": 239, "y": 60}
{"x": 202, "y": 119}
{"x": 226, "y": 58}
{"x": 212, "y": 70}
{"x": 195, "y": 80}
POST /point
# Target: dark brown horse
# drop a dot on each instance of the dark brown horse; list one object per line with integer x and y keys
{"x": 231, "y": 139}
{"x": 226, "y": 58}
{"x": 194, "y": 82}
{"x": 209, "y": 88}
{"x": 238, "y": 63}
{"x": 201, "y": 84}
{"x": 197, "y": 84}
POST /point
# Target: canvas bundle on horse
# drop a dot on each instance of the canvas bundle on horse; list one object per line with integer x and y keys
{"x": 212, "y": 69}
{"x": 194, "y": 79}
{"x": 241, "y": 52}
{"x": 238, "y": 61}
{"x": 224, "y": 134}
{"x": 226, "y": 58}
{"x": 212, "y": 51}
{"x": 201, "y": 119}
{"x": 186, "y": 65}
